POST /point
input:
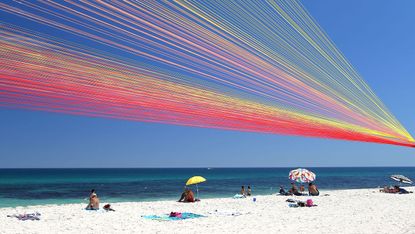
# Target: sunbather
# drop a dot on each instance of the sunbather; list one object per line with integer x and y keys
{"x": 243, "y": 190}
{"x": 294, "y": 190}
{"x": 394, "y": 189}
{"x": 249, "y": 192}
{"x": 93, "y": 201}
{"x": 312, "y": 190}
{"x": 190, "y": 197}
{"x": 283, "y": 192}
{"x": 387, "y": 189}
{"x": 183, "y": 196}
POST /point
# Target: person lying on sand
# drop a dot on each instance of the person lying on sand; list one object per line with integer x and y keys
{"x": 312, "y": 190}
{"x": 93, "y": 201}
{"x": 394, "y": 189}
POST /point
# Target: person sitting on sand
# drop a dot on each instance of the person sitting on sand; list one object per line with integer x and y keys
{"x": 190, "y": 197}
{"x": 283, "y": 192}
{"x": 249, "y": 192}
{"x": 93, "y": 201}
{"x": 312, "y": 190}
{"x": 187, "y": 196}
{"x": 294, "y": 190}
{"x": 183, "y": 196}
{"x": 302, "y": 189}
{"x": 243, "y": 190}
{"x": 92, "y": 193}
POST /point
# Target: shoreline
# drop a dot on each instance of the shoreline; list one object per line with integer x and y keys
{"x": 167, "y": 198}
{"x": 111, "y": 200}
{"x": 345, "y": 211}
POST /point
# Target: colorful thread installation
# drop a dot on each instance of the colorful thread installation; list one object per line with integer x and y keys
{"x": 256, "y": 66}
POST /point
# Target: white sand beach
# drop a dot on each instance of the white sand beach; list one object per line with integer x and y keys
{"x": 343, "y": 211}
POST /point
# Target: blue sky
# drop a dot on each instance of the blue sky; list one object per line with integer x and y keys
{"x": 376, "y": 36}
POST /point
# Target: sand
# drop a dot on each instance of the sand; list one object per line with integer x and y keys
{"x": 343, "y": 211}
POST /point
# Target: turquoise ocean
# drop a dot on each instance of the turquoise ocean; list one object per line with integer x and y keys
{"x": 22, "y": 187}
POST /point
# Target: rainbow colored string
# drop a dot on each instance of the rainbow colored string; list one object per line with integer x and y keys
{"x": 258, "y": 66}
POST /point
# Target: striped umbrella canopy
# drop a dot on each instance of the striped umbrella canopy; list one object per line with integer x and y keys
{"x": 301, "y": 175}
{"x": 401, "y": 179}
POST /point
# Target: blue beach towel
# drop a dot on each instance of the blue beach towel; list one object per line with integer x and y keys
{"x": 168, "y": 218}
{"x": 237, "y": 196}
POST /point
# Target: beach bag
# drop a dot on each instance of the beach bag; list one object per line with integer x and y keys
{"x": 301, "y": 203}
{"x": 309, "y": 203}
{"x": 107, "y": 207}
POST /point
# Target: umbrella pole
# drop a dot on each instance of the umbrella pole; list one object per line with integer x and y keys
{"x": 301, "y": 185}
{"x": 197, "y": 192}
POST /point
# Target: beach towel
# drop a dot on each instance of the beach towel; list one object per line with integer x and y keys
{"x": 24, "y": 217}
{"x": 295, "y": 205}
{"x": 167, "y": 217}
{"x": 237, "y": 196}
{"x": 96, "y": 211}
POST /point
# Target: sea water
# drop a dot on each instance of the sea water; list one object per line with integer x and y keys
{"x": 21, "y": 187}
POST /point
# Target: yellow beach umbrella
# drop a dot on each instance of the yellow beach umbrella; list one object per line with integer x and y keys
{"x": 195, "y": 180}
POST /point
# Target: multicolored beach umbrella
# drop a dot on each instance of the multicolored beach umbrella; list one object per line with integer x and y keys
{"x": 302, "y": 175}
{"x": 401, "y": 179}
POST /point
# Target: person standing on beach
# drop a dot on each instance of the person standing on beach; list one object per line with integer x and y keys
{"x": 243, "y": 190}
{"x": 249, "y": 192}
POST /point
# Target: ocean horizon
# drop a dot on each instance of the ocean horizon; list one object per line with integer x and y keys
{"x": 40, "y": 186}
